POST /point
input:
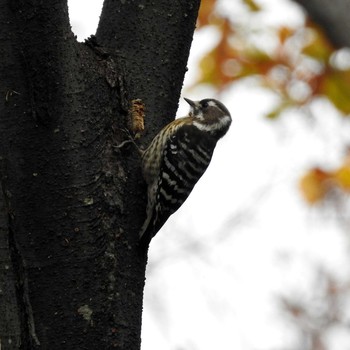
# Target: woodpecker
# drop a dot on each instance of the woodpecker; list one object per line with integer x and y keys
{"x": 177, "y": 158}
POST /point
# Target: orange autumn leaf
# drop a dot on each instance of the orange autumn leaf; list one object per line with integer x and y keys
{"x": 342, "y": 175}
{"x": 285, "y": 33}
{"x": 236, "y": 57}
{"x": 319, "y": 48}
{"x": 252, "y": 5}
{"x": 206, "y": 11}
{"x": 227, "y": 62}
{"x": 279, "y": 109}
{"x": 313, "y": 185}
{"x": 214, "y": 68}
{"x": 257, "y": 61}
{"x": 335, "y": 85}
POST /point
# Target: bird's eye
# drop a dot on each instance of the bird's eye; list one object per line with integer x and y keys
{"x": 205, "y": 104}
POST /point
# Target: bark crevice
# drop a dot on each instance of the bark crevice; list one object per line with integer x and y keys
{"x": 27, "y": 326}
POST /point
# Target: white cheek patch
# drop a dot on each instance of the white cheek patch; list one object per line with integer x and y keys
{"x": 199, "y": 116}
{"x": 212, "y": 103}
{"x": 224, "y": 121}
{"x": 202, "y": 127}
{"x": 221, "y": 124}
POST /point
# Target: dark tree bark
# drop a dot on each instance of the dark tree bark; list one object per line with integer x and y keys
{"x": 72, "y": 203}
{"x": 332, "y": 16}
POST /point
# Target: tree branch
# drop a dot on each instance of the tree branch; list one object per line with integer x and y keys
{"x": 33, "y": 16}
{"x": 43, "y": 42}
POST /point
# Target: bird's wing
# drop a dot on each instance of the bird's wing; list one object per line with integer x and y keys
{"x": 186, "y": 156}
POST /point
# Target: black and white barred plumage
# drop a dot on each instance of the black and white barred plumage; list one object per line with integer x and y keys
{"x": 177, "y": 158}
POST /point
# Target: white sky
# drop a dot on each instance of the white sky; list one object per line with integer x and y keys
{"x": 244, "y": 238}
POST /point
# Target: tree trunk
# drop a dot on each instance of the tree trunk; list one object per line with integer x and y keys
{"x": 332, "y": 16}
{"x": 72, "y": 203}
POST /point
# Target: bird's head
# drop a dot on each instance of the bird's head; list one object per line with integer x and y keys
{"x": 210, "y": 115}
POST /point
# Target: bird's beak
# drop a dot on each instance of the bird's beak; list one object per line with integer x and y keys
{"x": 190, "y": 102}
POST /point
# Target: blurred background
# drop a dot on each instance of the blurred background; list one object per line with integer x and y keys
{"x": 258, "y": 256}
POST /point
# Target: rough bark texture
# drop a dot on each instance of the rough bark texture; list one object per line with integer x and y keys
{"x": 71, "y": 203}
{"x": 151, "y": 44}
{"x": 332, "y": 16}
